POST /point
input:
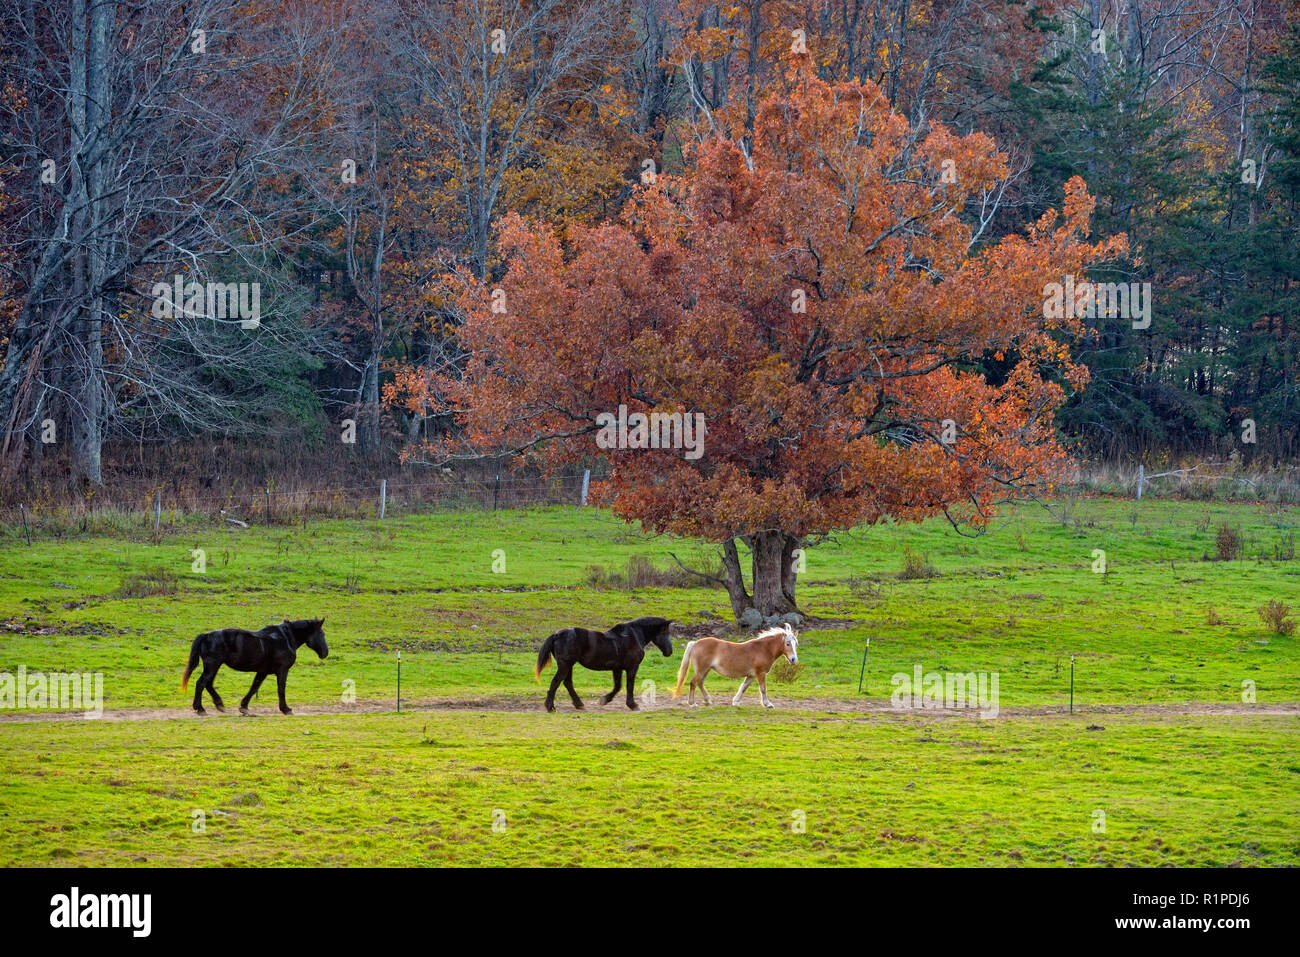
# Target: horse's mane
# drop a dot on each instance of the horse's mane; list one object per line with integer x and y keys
{"x": 768, "y": 633}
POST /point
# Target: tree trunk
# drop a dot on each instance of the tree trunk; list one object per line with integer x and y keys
{"x": 88, "y": 68}
{"x": 87, "y": 405}
{"x": 773, "y": 574}
{"x": 773, "y": 566}
{"x": 735, "y": 579}
{"x": 370, "y": 405}
{"x": 788, "y": 573}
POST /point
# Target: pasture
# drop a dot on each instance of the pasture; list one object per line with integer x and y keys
{"x": 1164, "y": 742}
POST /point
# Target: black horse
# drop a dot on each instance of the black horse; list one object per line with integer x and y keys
{"x": 618, "y": 650}
{"x": 273, "y": 650}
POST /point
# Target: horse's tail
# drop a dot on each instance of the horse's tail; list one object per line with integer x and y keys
{"x": 543, "y": 656}
{"x": 683, "y": 668}
{"x": 193, "y": 662}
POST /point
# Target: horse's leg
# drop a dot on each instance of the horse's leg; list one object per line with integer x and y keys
{"x": 568, "y": 684}
{"x": 211, "y": 675}
{"x": 743, "y": 685}
{"x": 631, "y": 686}
{"x": 762, "y": 689}
{"x": 198, "y": 690}
{"x": 252, "y": 690}
{"x": 618, "y": 683}
{"x": 555, "y": 683}
{"x": 281, "y": 679}
{"x": 700, "y": 675}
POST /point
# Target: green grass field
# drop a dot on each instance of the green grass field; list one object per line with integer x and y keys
{"x": 1165, "y": 741}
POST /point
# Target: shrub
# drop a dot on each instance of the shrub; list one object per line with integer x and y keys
{"x": 1277, "y": 615}
{"x": 1284, "y": 551}
{"x": 1227, "y": 543}
{"x": 641, "y": 572}
{"x": 160, "y": 581}
{"x": 916, "y": 565}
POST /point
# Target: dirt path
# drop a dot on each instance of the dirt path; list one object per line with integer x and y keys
{"x": 849, "y": 706}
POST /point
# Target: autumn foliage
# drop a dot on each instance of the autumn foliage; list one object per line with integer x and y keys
{"x": 820, "y": 304}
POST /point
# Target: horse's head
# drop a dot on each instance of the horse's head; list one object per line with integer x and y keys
{"x": 662, "y": 640}
{"x": 646, "y": 631}
{"x": 311, "y": 632}
{"x": 791, "y": 644}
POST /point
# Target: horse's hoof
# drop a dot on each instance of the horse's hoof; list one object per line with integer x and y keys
{"x": 550, "y": 709}
{"x": 634, "y": 706}
{"x": 286, "y": 710}
{"x": 245, "y": 711}
{"x": 199, "y": 711}
{"x": 219, "y": 708}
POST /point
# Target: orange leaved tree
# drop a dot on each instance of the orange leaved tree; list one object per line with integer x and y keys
{"x": 822, "y": 304}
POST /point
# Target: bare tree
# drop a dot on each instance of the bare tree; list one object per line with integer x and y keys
{"x": 484, "y": 74}
{"x": 141, "y": 158}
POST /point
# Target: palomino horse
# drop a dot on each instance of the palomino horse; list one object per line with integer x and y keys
{"x": 620, "y": 649}
{"x": 272, "y": 650}
{"x": 746, "y": 659}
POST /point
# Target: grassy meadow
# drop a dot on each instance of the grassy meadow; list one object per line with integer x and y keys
{"x": 1164, "y": 744}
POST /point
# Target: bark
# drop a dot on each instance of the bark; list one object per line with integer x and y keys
{"x": 735, "y": 579}
{"x": 772, "y": 562}
{"x": 370, "y": 406}
{"x": 772, "y": 571}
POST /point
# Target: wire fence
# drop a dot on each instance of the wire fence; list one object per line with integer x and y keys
{"x": 163, "y": 509}
{"x": 166, "y": 507}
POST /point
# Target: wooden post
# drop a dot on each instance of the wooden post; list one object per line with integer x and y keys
{"x": 496, "y": 488}
{"x": 586, "y": 482}
{"x": 1141, "y": 477}
{"x": 383, "y": 497}
{"x": 157, "y": 512}
{"x": 268, "y": 506}
{"x": 26, "y": 531}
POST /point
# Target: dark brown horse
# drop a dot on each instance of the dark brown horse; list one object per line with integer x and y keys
{"x": 618, "y": 650}
{"x": 273, "y": 650}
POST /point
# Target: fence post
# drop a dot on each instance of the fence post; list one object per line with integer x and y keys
{"x": 383, "y": 497}
{"x": 26, "y": 531}
{"x": 586, "y": 481}
{"x": 1141, "y": 477}
{"x": 496, "y": 488}
{"x": 268, "y": 506}
{"x": 157, "y": 511}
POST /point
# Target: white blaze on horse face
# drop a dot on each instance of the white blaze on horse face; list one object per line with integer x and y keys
{"x": 792, "y": 649}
